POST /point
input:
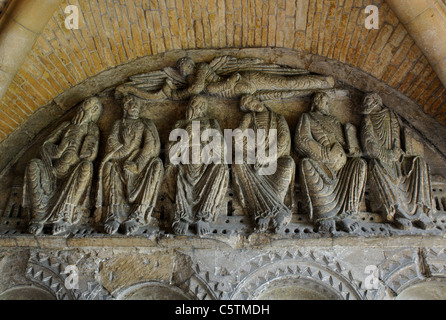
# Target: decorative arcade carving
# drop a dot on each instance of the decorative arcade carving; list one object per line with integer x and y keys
{"x": 326, "y": 166}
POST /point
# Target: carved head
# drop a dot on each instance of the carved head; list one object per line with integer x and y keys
{"x": 372, "y": 103}
{"x": 186, "y": 66}
{"x": 250, "y": 103}
{"x": 321, "y": 103}
{"x": 132, "y": 107}
{"x": 198, "y": 108}
{"x": 89, "y": 111}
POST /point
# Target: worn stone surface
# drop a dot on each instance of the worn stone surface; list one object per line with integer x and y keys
{"x": 235, "y": 259}
{"x": 403, "y": 271}
{"x": 65, "y": 59}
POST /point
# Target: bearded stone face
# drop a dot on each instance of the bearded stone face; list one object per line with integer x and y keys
{"x": 321, "y": 103}
{"x": 132, "y": 108}
{"x": 372, "y": 103}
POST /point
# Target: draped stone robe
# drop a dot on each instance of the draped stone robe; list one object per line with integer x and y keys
{"x": 57, "y": 186}
{"x": 263, "y": 196}
{"x": 403, "y": 183}
{"x": 125, "y": 194}
{"x": 201, "y": 187}
{"x": 334, "y": 185}
{"x": 205, "y": 80}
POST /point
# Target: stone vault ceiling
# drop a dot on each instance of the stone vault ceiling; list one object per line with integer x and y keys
{"x": 114, "y": 32}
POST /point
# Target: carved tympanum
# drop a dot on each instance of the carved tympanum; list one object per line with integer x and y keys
{"x": 403, "y": 182}
{"x": 130, "y": 173}
{"x": 262, "y": 186}
{"x": 57, "y": 186}
{"x": 200, "y": 183}
{"x": 331, "y": 172}
{"x": 225, "y": 77}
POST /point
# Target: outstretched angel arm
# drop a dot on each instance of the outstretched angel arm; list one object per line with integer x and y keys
{"x": 153, "y": 86}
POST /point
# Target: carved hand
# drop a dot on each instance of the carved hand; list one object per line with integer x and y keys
{"x": 170, "y": 84}
{"x": 167, "y": 89}
{"x": 50, "y": 150}
{"x": 398, "y": 153}
{"x": 109, "y": 156}
{"x": 354, "y": 152}
{"x": 131, "y": 167}
{"x": 337, "y": 156}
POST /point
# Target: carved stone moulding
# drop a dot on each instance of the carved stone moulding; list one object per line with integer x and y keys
{"x": 152, "y": 291}
{"x": 317, "y": 272}
{"x": 104, "y": 166}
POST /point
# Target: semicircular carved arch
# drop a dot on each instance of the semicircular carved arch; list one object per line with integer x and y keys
{"x": 49, "y": 271}
{"x": 153, "y": 290}
{"x": 409, "y": 268}
{"x": 249, "y": 280}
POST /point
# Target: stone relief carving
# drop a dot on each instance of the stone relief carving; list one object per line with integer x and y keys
{"x": 242, "y": 274}
{"x": 254, "y": 276}
{"x": 225, "y": 77}
{"x": 333, "y": 165}
{"x": 57, "y": 186}
{"x": 130, "y": 173}
{"x": 200, "y": 186}
{"x": 402, "y": 181}
{"x": 263, "y": 194}
{"x": 331, "y": 172}
{"x": 48, "y": 271}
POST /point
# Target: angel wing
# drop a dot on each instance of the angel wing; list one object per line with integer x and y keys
{"x": 227, "y": 65}
{"x": 155, "y": 80}
{"x": 151, "y": 82}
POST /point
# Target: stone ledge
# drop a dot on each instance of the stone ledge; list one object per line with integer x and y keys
{"x": 218, "y": 242}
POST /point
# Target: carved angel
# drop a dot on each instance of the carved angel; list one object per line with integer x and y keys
{"x": 225, "y": 77}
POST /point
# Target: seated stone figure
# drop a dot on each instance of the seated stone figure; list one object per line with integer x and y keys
{"x": 263, "y": 194}
{"x": 200, "y": 185}
{"x": 130, "y": 173}
{"x": 403, "y": 182}
{"x": 331, "y": 173}
{"x": 57, "y": 186}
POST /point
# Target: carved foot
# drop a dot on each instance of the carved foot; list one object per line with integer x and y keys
{"x": 130, "y": 227}
{"x": 35, "y": 228}
{"x": 402, "y": 223}
{"x": 60, "y": 227}
{"x": 262, "y": 224}
{"x": 328, "y": 226}
{"x": 280, "y": 220}
{"x": 111, "y": 227}
{"x": 180, "y": 227}
{"x": 348, "y": 225}
{"x": 425, "y": 223}
{"x": 203, "y": 228}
